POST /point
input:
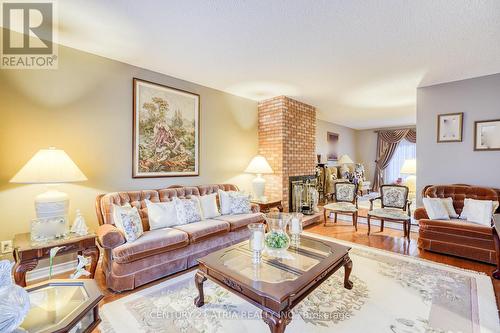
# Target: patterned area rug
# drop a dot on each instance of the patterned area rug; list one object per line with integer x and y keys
{"x": 392, "y": 293}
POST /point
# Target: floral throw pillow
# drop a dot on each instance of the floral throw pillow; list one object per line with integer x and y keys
{"x": 240, "y": 203}
{"x": 189, "y": 210}
{"x": 131, "y": 224}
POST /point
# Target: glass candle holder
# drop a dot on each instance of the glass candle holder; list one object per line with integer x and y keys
{"x": 295, "y": 227}
{"x": 256, "y": 242}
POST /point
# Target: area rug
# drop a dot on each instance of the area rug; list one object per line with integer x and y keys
{"x": 392, "y": 293}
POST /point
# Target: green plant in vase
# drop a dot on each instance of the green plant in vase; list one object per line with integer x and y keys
{"x": 276, "y": 240}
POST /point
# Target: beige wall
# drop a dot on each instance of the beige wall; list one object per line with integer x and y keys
{"x": 347, "y": 139}
{"x": 366, "y": 147}
{"x": 85, "y": 108}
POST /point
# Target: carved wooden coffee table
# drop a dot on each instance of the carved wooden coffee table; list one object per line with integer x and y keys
{"x": 276, "y": 285}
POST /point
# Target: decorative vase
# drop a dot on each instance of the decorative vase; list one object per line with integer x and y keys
{"x": 276, "y": 239}
{"x": 295, "y": 227}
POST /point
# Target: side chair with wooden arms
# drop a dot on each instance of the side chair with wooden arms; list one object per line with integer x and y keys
{"x": 395, "y": 208}
{"x": 345, "y": 202}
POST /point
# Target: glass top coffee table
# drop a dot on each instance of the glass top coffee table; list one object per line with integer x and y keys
{"x": 277, "y": 284}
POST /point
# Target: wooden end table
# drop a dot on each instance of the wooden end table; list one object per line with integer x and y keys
{"x": 28, "y": 253}
{"x": 275, "y": 286}
{"x": 265, "y": 206}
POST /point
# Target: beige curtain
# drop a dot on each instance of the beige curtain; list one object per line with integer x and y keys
{"x": 387, "y": 143}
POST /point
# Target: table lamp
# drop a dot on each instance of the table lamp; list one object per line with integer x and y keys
{"x": 410, "y": 168}
{"x": 50, "y": 166}
{"x": 345, "y": 159}
{"x": 259, "y": 166}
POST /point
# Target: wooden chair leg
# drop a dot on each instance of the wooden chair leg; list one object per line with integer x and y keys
{"x": 355, "y": 221}
{"x": 335, "y": 214}
{"x": 368, "y": 220}
{"x": 381, "y": 225}
{"x": 324, "y": 217}
{"x": 408, "y": 229}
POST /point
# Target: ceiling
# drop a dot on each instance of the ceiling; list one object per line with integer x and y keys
{"x": 358, "y": 61}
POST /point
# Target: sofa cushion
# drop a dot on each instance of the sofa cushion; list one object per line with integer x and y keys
{"x": 455, "y": 227}
{"x": 150, "y": 243}
{"x": 198, "y": 231}
{"x": 241, "y": 220}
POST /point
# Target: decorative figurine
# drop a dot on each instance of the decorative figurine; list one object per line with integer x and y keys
{"x": 79, "y": 227}
{"x": 80, "y": 268}
{"x": 14, "y": 300}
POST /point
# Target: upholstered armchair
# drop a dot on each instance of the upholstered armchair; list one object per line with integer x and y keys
{"x": 395, "y": 207}
{"x": 345, "y": 202}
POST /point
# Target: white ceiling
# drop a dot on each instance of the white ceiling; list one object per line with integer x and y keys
{"x": 358, "y": 61}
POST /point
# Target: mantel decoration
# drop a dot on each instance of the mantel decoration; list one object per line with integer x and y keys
{"x": 165, "y": 131}
{"x": 487, "y": 135}
{"x": 450, "y": 127}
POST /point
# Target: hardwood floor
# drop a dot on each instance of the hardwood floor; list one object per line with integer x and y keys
{"x": 389, "y": 239}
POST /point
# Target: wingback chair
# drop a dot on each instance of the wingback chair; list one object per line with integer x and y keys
{"x": 345, "y": 202}
{"x": 395, "y": 207}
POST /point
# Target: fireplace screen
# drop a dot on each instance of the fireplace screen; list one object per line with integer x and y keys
{"x": 303, "y": 194}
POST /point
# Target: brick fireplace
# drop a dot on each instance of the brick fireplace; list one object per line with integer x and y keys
{"x": 287, "y": 138}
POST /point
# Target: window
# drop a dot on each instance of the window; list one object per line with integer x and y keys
{"x": 405, "y": 151}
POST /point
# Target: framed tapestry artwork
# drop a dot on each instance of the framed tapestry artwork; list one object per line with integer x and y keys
{"x": 165, "y": 131}
{"x": 333, "y": 146}
{"x": 450, "y": 127}
{"x": 487, "y": 135}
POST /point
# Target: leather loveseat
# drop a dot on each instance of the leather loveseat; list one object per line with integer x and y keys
{"x": 457, "y": 237}
{"x": 161, "y": 252}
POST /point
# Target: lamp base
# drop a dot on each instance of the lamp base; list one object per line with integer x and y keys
{"x": 52, "y": 203}
{"x": 259, "y": 185}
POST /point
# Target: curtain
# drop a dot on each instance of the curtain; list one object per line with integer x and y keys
{"x": 387, "y": 143}
{"x": 405, "y": 151}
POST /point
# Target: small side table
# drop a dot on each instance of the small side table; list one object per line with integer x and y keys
{"x": 28, "y": 253}
{"x": 265, "y": 207}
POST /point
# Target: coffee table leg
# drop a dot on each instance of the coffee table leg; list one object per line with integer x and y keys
{"x": 347, "y": 273}
{"x": 198, "y": 280}
{"x": 277, "y": 324}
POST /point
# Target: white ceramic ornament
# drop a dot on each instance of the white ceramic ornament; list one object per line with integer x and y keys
{"x": 80, "y": 268}
{"x": 79, "y": 227}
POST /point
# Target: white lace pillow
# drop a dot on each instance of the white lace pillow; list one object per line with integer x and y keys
{"x": 478, "y": 211}
{"x": 240, "y": 203}
{"x": 128, "y": 221}
{"x": 162, "y": 214}
{"x": 225, "y": 201}
{"x": 435, "y": 209}
{"x": 188, "y": 210}
{"x": 464, "y": 215}
{"x": 208, "y": 205}
{"x": 448, "y": 204}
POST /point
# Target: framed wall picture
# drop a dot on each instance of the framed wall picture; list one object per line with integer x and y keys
{"x": 487, "y": 135}
{"x": 333, "y": 146}
{"x": 165, "y": 131}
{"x": 450, "y": 127}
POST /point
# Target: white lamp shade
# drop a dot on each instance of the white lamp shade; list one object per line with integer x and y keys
{"x": 345, "y": 159}
{"x": 259, "y": 165}
{"x": 49, "y": 166}
{"x": 409, "y": 167}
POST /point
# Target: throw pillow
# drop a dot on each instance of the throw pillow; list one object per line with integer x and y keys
{"x": 448, "y": 204}
{"x": 189, "y": 209}
{"x": 479, "y": 211}
{"x": 240, "y": 203}
{"x": 208, "y": 205}
{"x": 225, "y": 201}
{"x": 467, "y": 202}
{"x": 129, "y": 222}
{"x": 117, "y": 210}
{"x": 162, "y": 214}
{"x": 435, "y": 208}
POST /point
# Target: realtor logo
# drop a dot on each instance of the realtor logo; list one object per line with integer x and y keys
{"x": 28, "y": 35}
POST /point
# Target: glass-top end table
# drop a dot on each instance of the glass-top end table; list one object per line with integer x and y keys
{"x": 63, "y": 306}
{"x": 276, "y": 284}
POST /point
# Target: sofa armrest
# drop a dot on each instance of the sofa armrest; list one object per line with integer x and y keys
{"x": 109, "y": 236}
{"x": 420, "y": 213}
{"x": 254, "y": 208}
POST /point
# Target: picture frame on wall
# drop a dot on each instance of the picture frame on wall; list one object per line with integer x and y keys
{"x": 333, "y": 146}
{"x": 487, "y": 135}
{"x": 450, "y": 127}
{"x": 165, "y": 131}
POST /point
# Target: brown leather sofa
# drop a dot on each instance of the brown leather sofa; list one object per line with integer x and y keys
{"x": 161, "y": 252}
{"x": 457, "y": 237}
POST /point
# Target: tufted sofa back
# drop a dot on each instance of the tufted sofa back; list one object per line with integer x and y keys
{"x": 460, "y": 192}
{"x": 104, "y": 202}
